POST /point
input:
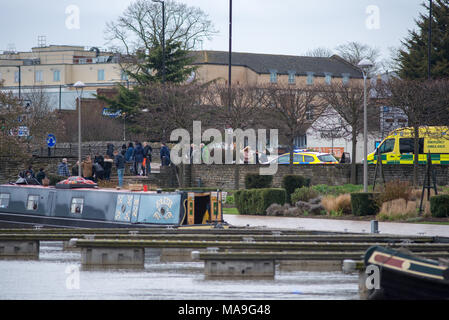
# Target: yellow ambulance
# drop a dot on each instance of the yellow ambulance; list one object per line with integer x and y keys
{"x": 398, "y": 146}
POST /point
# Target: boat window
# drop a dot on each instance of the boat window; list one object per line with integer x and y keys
{"x": 77, "y": 205}
{"x": 4, "y": 200}
{"x": 33, "y": 202}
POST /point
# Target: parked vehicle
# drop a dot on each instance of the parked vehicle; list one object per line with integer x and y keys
{"x": 306, "y": 157}
{"x": 398, "y": 147}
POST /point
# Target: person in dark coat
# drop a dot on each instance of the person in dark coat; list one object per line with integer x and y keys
{"x": 110, "y": 150}
{"x": 165, "y": 155}
{"x": 119, "y": 161}
{"x": 98, "y": 171}
{"x": 123, "y": 149}
{"x": 40, "y": 175}
{"x": 147, "y": 151}
{"x": 107, "y": 167}
{"x": 138, "y": 156}
{"x": 129, "y": 156}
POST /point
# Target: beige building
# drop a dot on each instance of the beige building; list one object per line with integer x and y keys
{"x": 258, "y": 69}
{"x": 56, "y": 68}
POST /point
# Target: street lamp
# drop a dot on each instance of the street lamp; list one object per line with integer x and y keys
{"x": 79, "y": 86}
{"x": 365, "y": 65}
{"x": 163, "y": 38}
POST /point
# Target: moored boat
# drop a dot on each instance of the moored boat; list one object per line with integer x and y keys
{"x": 406, "y": 276}
{"x": 75, "y": 204}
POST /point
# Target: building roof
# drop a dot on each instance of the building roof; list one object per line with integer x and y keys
{"x": 283, "y": 64}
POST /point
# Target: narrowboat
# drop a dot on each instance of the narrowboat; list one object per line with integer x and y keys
{"x": 77, "y": 204}
{"x": 405, "y": 276}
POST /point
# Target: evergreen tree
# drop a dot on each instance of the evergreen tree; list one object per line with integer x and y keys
{"x": 413, "y": 59}
{"x": 149, "y": 68}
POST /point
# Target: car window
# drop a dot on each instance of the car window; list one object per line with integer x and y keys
{"x": 297, "y": 158}
{"x": 308, "y": 158}
{"x": 387, "y": 146}
{"x": 327, "y": 158}
{"x": 407, "y": 145}
{"x": 284, "y": 159}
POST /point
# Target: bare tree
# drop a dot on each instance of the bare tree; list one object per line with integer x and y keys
{"x": 294, "y": 110}
{"x": 320, "y": 52}
{"x": 354, "y": 52}
{"x": 239, "y": 108}
{"x": 140, "y": 26}
{"x": 25, "y": 124}
{"x": 347, "y": 101}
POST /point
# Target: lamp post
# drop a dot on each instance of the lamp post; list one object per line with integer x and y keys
{"x": 79, "y": 86}
{"x": 365, "y": 65}
{"x": 429, "y": 54}
{"x": 163, "y": 38}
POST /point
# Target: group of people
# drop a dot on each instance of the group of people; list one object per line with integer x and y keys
{"x": 136, "y": 156}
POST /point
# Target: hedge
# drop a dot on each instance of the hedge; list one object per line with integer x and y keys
{"x": 256, "y": 181}
{"x": 364, "y": 203}
{"x": 292, "y": 182}
{"x": 256, "y": 201}
{"x": 439, "y": 206}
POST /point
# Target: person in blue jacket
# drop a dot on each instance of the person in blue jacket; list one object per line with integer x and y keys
{"x": 165, "y": 155}
{"x": 129, "y": 156}
{"x": 138, "y": 156}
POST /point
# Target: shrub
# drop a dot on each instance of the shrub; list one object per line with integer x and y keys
{"x": 340, "y": 204}
{"x": 230, "y": 200}
{"x": 292, "y": 182}
{"x": 256, "y": 201}
{"x": 255, "y": 181}
{"x": 398, "y": 209}
{"x": 303, "y": 194}
{"x": 395, "y": 190}
{"x": 439, "y": 206}
{"x": 364, "y": 203}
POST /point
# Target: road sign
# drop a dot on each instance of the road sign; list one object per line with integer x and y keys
{"x": 51, "y": 140}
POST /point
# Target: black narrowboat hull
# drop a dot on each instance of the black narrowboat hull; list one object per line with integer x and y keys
{"x": 28, "y": 206}
{"x": 407, "y": 277}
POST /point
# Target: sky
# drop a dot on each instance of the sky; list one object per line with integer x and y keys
{"x": 290, "y": 27}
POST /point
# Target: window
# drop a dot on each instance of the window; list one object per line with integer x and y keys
{"x": 77, "y": 205}
{"x": 309, "y": 113}
{"x": 124, "y": 76}
{"x": 82, "y": 61}
{"x": 273, "y": 76}
{"x": 32, "y": 202}
{"x": 407, "y": 145}
{"x": 101, "y": 75}
{"x": 38, "y": 76}
{"x": 291, "y": 77}
{"x": 4, "y": 200}
{"x": 16, "y": 76}
{"x": 308, "y": 159}
{"x": 327, "y": 158}
{"x": 309, "y": 78}
{"x": 56, "y": 76}
{"x": 345, "y": 79}
{"x": 328, "y": 78}
{"x": 387, "y": 146}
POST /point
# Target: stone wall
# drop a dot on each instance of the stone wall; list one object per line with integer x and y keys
{"x": 222, "y": 176}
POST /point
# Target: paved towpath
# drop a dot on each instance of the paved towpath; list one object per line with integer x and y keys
{"x": 337, "y": 225}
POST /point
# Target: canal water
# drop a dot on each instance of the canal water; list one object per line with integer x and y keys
{"x": 57, "y": 275}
